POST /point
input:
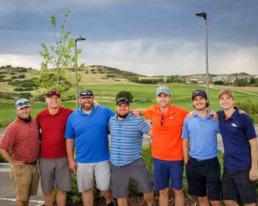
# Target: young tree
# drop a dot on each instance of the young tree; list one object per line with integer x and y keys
{"x": 58, "y": 59}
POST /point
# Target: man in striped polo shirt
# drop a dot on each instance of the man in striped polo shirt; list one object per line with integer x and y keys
{"x": 126, "y": 154}
{"x": 22, "y": 138}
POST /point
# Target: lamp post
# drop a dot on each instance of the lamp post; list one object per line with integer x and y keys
{"x": 76, "y": 79}
{"x": 204, "y": 15}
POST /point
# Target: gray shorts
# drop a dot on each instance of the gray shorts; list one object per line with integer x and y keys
{"x": 54, "y": 172}
{"x": 86, "y": 173}
{"x": 120, "y": 178}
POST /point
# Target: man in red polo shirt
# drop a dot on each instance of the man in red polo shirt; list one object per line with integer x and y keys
{"x": 22, "y": 138}
{"x": 53, "y": 163}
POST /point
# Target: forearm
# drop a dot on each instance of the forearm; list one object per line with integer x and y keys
{"x": 141, "y": 111}
{"x": 254, "y": 153}
{"x": 6, "y": 156}
{"x": 70, "y": 148}
{"x": 186, "y": 150}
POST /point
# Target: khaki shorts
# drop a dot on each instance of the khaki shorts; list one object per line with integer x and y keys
{"x": 25, "y": 181}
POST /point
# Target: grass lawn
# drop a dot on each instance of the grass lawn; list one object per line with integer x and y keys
{"x": 144, "y": 97}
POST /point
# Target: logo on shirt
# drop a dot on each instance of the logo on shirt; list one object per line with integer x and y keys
{"x": 171, "y": 117}
{"x": 233, "y": 125}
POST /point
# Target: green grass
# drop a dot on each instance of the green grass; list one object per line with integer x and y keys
{"x": 144, "y": 97}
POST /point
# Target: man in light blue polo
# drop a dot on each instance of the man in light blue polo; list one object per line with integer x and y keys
{"x": 87, "y": 131}
{"x": 126, "y": 154}
{"x": 202, "y": 169}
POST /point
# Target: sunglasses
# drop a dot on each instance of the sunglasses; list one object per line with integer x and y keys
{"x": 53, "y": 92}
{"x": 162, "y": 120}
{"x": 26, "y": 103}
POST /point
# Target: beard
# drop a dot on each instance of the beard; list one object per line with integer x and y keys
{"x": 88, "y": 107}
{"x": 122, "y": 116}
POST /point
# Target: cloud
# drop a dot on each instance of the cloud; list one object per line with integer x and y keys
{"x": 153, "y": 57}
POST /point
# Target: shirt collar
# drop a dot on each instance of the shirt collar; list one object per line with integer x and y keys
{"x": 59, "y": 111}
{"x": 127, "y": 117}
{"x": 206, "y": 117}
{"x": 234, "y": 115}
{"x": 81, "y": 112}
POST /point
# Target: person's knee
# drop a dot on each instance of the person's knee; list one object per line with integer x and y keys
{"x": 202, "y": 199}
{"x": 230, "y": 203}
{"x": 61, "y": 192}
{"x": 178, "y": 192}
{"x": 88, "y": 191}
{"x": 164, "y": 192}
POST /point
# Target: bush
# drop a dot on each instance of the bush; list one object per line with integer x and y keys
{"x": 14, "y": 77}
{"x": 21, "y": 76}
{"x": 18, "y": 89}
{"x": 25, "y": 95}
{"x": 250, "y": 107}
{"x": 125, "y": 94}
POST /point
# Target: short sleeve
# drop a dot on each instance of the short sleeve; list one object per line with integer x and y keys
{"x": 147, "y": 113}
{"x": 143, "y": 126}
{"x": 69, "y": 131}
{"x": 185, "y": 133}
{"x": 249, "y": 127}
{"x": 8, "y": 139}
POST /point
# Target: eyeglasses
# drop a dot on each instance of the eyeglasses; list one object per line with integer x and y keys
{"x": 162, "y": 120}
{"x": 53, "y": 92}
{"x": 26, "y": 103}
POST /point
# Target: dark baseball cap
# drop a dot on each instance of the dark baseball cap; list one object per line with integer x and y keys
{"x": 122, "y": 100}
{"x": 86, "y": 93}
{"x": 53, "y": 92}
{"x": 198, "y": 92}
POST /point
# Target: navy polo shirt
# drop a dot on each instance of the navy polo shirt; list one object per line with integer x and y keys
{"x": 236, "y": 132}
{"x": 90, "y": 133}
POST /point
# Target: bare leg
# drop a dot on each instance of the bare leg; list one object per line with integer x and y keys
{"x": 108, "y": 195}
{"x": 203, "y": 201}
{"x": 60, "y": 197}
{"x": 49, "y": 199}
{"x": 87, "y": 197}
{"x": 230, "y": 203}
{"x": 149, "y": 197}
{"x": 179, "y": 197}
{"x": 163, "y": 197}
{"x": 122, "y": 201}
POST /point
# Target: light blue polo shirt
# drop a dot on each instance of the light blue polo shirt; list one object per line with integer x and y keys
{"x": 90, "y": 133}
{"x": 126, "y": 139}
{"x": 202, "y": 135}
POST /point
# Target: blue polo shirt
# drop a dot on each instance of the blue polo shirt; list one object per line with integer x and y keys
{"x": 126, "y": 139}
{"x": 202, "y": 135}
{"x": 90, "y": 133}
{"x": 236, "y": 132}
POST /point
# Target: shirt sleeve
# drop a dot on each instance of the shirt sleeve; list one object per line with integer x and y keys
{"x": 147, "y": 113}
{"x": 8, "y": 139}
{"x": 69, "y": 131}
{"x": 143, "y": 126}
{"x": 185, "y": 133}
{"x": 249, "y": 127}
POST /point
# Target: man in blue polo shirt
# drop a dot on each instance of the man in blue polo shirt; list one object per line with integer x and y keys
{"x": 202, "y": 169}
{"x": 126, "y": 154}
{"x": 240, "y": 145}
{"x": 87, "y": 131}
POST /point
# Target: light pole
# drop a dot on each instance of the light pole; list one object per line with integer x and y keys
{"x": 204, "y": 15}
{"x": 76, "y": 79}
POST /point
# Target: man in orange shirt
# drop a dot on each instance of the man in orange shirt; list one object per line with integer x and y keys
{"x": 167, "y": 145}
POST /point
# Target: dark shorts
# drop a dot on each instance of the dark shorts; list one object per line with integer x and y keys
{"x": 120, "y": 178}
{"x": 54, "y": 172}
{"x": 203, "y": 174}
{"x": 237, "y": 186}
{"x": 163, "y": 170}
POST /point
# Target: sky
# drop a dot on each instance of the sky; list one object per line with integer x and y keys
{"x": 150, "y": 37}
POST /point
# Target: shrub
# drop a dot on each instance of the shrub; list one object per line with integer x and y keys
{"x": 14, "y": 77}
{"x": 25, "y": 95}
{"x": 18, "y": 89}
{"x": 21, "y": 76}
{"x": 250, "y": 107}
{"x": 125, "y": 94}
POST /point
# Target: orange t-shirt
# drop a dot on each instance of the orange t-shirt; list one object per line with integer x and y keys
{"x": 167, "y": 143}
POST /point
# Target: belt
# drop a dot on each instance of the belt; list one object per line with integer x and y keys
{"x": 31, "y": 163}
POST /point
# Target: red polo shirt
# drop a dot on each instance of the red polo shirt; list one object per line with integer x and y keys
{"x": 53, "y": 132}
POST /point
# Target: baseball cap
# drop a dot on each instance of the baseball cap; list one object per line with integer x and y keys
{"x": 226, "y": 91}
{"x": 198, "y": 92}
{"x": 22, "y": 103}
{"x": 53, "y": 92}
{"x": 122, "y": 100}
{"x": 86, "y": 93}
{"x": 162, "y": 89}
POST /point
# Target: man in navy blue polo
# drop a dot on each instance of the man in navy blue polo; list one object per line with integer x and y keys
{"x": 240, "y": 145}
{"x": 202, "y": 168}
{"x": 87, "y": 131}
{"x": 126, "y": 154}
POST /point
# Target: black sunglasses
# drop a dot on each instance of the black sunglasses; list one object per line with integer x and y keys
{"x": 162, "y": 120}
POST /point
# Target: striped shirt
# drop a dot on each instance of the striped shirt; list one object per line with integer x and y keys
{"x": 126, "y": 139}
{"x": 23, "y": 139}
